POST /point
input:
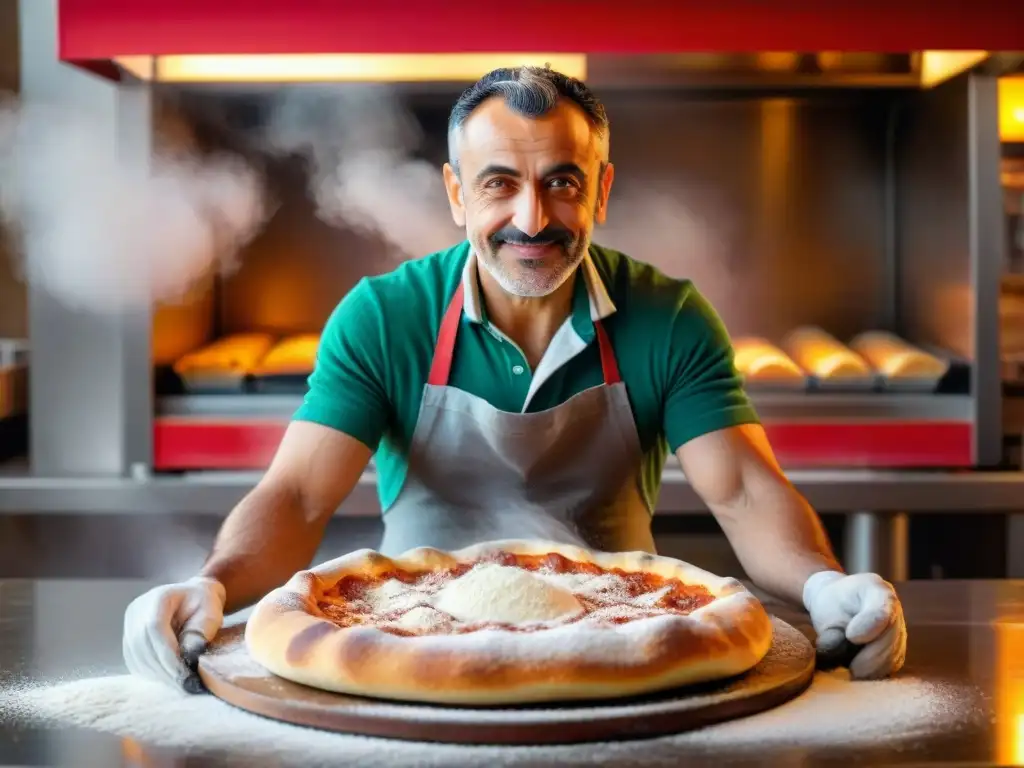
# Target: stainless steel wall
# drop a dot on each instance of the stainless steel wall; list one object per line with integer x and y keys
{"x": 297, "y": 270}
{"x": 89, "y": 378}
{"x": 775, "y": 207}
{"x": 779, "y": 205}
{"x": 950, "y": 235}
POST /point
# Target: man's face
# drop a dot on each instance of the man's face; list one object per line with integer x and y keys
{"x": 528, "y": 191}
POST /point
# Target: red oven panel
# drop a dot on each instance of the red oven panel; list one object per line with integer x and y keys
{"x": 96, "y": 30}
{"x": 225, "y": 444}
{"x": 888, "y": 444}
{"x": 189, "y": 443}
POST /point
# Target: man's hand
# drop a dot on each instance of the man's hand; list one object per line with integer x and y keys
{"x": 166, "y": 629}
{"x": 863, "y": 610}
{"x": 272, "y": 533}
{"x": 782, "y": 546}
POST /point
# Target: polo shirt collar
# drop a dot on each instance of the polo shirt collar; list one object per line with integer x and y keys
{"x": 591, "y": 301}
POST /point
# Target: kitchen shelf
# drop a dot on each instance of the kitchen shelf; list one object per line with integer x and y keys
{"x": 810, "y": 405}
{"x": 807, "y": 430}
{"x": 216, "y": 493}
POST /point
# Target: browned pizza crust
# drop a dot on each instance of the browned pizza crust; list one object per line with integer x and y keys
{"x": 289, "y": 635}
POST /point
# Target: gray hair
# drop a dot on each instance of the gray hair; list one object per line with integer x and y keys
{"x": 530, "y": 91}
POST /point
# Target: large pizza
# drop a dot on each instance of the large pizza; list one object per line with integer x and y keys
{"x": 507, "y": 622}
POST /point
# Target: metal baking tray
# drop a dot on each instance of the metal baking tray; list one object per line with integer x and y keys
{"x": 923, "y": 385}
{"x": 214, "y": 384}
{"x": 846, "y": 384}
{"x": 777, "y": 385}
{"x": 280, "y": 384}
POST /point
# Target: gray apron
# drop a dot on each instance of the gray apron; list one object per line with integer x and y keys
{"x": 569, "y": 474}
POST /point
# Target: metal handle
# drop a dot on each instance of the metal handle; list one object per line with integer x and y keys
{"x": 192, "y": 644}
{"x": 834, "y": 650}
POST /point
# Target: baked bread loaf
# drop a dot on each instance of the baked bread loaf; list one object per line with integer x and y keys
{"x": 825, "y": 357}
{"x": 894, "y": 358}
{"x": 758, "y": 360}
{"x": 225, "y": 359}
{"x": 293, "y": 356}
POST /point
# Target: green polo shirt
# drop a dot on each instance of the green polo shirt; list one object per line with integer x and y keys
{"x": 673, "y": 351}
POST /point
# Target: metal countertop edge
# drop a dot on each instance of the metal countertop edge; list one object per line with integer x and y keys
{"x": 829, "y": 491}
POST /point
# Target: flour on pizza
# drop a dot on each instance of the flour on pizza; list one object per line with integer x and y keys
{"x": 507, "y": 622}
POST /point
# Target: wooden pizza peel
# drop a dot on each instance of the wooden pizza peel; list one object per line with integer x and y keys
{"x": 785, "y": 672}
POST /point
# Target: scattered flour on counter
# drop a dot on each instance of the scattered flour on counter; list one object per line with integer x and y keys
{"x": 834, "y": 711}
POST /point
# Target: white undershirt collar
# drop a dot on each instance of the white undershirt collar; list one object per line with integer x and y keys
{"x": 567, "y": 343}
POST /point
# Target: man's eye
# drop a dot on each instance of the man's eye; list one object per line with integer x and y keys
{"x": 495, "y": 184}
{"x": 562, "y": 183}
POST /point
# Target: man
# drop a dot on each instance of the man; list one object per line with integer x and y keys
{"x": 525, "y": 383}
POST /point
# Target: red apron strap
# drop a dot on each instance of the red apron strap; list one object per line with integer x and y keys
{"x": 444, "y": 349}
{"x": 609, "y": 365}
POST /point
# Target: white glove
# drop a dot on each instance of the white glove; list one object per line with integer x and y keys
{"x": 166, "y": 628}
{"x": 864, "y": 610}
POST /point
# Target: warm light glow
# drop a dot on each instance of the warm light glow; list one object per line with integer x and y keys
{"x": 939, "y": 66}
{"x": 1009, "y": 694}
{"x": 775, "y": 168}
{"x": 1017, "y": 758}
{"x": 778, "y": 61}
{"x": 369, "y": 67}
{"x": 140, "y": 66}
{"x": 135, "y": 754}
{"x": 1011, "y": 109}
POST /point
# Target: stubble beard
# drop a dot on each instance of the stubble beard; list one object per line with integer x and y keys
{"x": 518, "y": 278}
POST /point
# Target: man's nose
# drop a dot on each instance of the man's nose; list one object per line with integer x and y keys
{"x": 530, "y": 215}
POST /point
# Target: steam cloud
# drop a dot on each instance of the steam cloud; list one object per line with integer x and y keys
{"x": 359, "y": 142}
{"x": 532, "y": 526}
{"x": 103, "y": 232}
{"x": 106, "y": 232}
{"x": 667, "y": 227}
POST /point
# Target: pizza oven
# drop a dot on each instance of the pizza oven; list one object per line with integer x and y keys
{"x": 829, "y": 227}
{"x": 842, "y": 211}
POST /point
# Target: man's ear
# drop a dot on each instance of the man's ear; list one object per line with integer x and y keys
{"x": 456, "y": 201}
{"x": 604, "y": 188}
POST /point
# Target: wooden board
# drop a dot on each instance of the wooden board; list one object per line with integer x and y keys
{"x": 230, "y": 674}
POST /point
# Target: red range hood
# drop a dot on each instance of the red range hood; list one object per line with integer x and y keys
{"x": 94, "y": 32}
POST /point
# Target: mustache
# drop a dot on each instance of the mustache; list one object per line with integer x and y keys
{"x": 547, "y": 236}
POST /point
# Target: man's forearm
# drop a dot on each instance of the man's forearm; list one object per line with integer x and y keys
{"x": 262, "y": 543}
{"x": 777, "y": 537}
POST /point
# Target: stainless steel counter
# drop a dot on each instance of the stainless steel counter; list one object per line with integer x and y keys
{"x": 968, "y": 632}
{"x": 214, "y": 493}
{"x": 877, "y": 503}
